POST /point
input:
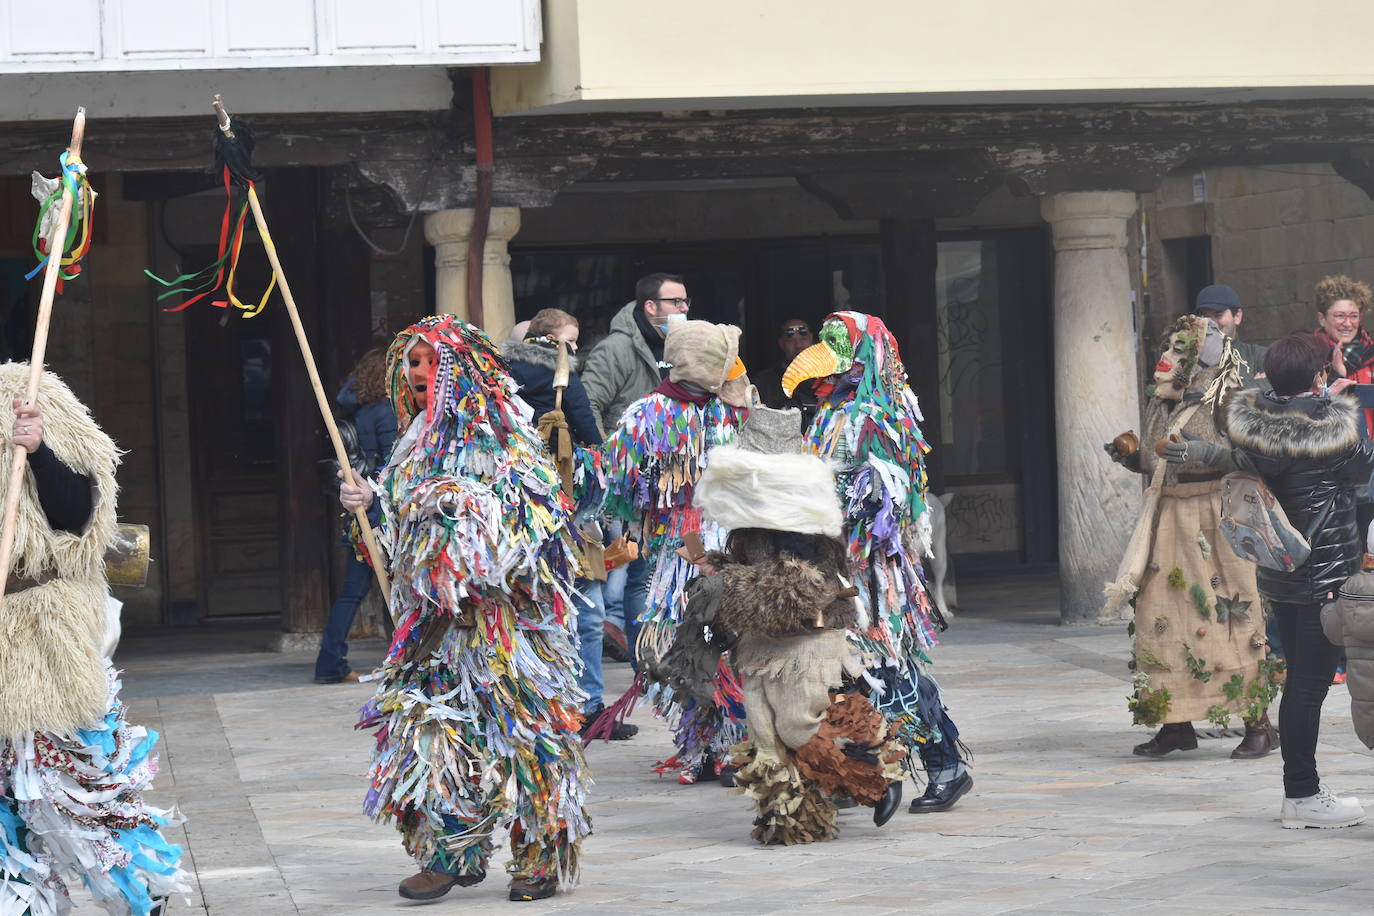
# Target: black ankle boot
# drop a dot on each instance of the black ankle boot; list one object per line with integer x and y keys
{"x": 888, "y": 804}
{"x": 941, "y": 796}
{"x": 1178, "y": 736}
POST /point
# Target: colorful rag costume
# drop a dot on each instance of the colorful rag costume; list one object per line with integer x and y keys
{"x": 784, "y": 600}
{"x": 1199, "y": 643}
{"x": 477, "y": 708}
{"x": 867, "y": 426}
{"x": 653, "y": 461}
{"x": 72, "y": 770}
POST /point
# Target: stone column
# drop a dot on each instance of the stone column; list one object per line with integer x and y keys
{"x": 448, "y": 231}
{"x": 1096, "y": 391}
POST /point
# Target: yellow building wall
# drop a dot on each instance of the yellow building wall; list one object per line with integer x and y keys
{"x": 628, "y": 54}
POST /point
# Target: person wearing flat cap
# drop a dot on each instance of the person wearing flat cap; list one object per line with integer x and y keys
{"x": 1221, "y": 303}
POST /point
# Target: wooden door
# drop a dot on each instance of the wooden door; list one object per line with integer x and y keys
{"x": 231, "y": 362}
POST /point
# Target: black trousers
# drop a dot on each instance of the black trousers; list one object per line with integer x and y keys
{"x": 1311, "y": 664}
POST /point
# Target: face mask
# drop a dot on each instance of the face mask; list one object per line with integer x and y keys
{"x": 668, "y": 322}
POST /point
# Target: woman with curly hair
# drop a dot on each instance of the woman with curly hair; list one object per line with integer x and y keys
{"x": 1341, "y": 304}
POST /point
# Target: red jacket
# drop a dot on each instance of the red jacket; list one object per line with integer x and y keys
{"x": 1362, "y": 371}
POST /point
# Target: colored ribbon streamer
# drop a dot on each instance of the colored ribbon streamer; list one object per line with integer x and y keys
{"x": 210, "y": 278}
{"x": 72, "y": 252}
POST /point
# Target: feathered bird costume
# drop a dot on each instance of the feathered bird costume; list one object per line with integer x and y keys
{"x": 868, "y": 426}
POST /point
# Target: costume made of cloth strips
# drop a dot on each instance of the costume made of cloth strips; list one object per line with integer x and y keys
{"x": 72, "y": 770}
{"x": 867, "y": 426}
{"x": 477, "y": 706}
{"x": 783, "y": 597}
{"x": 1199, "y": 640}
{"x": 653, "y": 461}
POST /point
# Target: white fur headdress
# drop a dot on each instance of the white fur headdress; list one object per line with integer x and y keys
{"x": 766, "y": 481}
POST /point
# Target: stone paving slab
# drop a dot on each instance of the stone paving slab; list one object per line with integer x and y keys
{"x": 1062, "y": 819}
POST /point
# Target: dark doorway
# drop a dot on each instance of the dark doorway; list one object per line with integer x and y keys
{"x": 232, "y": 364}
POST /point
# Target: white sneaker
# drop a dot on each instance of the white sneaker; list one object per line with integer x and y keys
{"x": 1321, "y": 810}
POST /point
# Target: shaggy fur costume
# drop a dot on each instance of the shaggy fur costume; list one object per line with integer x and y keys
{"x": 72, "y": 769}
{"x": 805, "y": 736}
{"x": 52, "y": 676}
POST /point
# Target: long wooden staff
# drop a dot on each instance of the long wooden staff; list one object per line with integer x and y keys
{"x": 20, "y": 458}
{"x": 340, "y": 453}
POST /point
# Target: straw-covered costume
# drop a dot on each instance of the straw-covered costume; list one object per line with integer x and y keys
{"x": 867, "y": 426}
{"x": 783, "y": 605}
{"x": 653, "y": 461}
{"x": 72, "y": 770}
{"x": 1198, "y": 627}
{"x": 477, "y": 706}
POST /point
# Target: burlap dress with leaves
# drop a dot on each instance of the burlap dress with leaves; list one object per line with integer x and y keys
{"x": 1199, "y": 626}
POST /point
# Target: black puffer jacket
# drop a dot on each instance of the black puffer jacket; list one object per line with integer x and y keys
{"x": 1309, "y": 452}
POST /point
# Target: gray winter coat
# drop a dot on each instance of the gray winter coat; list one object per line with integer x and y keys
{"x": 620, "y": 370}
{"x": 1349, "y": 622}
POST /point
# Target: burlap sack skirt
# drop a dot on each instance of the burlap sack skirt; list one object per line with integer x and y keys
{"x": 1198, "y": 617}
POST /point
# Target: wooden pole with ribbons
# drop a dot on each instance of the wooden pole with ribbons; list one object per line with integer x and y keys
{"x": 20, "y": 456}
{"x": 340, "y": 453}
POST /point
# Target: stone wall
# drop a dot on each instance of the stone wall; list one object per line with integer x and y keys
{"x": 1275, "y": 230}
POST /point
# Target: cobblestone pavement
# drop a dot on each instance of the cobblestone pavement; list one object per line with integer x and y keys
{"x": 1062, "y": 819}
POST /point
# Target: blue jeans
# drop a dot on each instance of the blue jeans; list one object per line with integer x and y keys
{"x": 591, "y": 619}
{"x": 636, "y": 597}
{"x": 945, "y": 755}
{"x": 614, "y": 593}
{"x": 332, "y": 662}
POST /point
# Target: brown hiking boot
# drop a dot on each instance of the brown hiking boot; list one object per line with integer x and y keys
{"x": 1260, "y": 738}
{"x": 523, "y": 889}
{"x": 431, "y": 885}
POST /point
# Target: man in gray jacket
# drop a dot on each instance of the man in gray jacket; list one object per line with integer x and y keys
{"x": 623, "y": 368}
{"x": 627, "y": 365}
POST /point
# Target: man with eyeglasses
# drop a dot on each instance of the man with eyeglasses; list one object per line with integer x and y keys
{"x": 793, "y": 337}
{"x": 1222, "y": 304}
{"x": 620, "y": 370}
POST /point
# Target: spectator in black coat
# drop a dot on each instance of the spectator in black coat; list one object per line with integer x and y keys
{"x": 1304, "y": 440}
{"x": 532, "y": 363}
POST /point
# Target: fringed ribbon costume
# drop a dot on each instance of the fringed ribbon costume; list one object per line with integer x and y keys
{"x": 653, "y": 462}
{"x": 72, "y": 770}
{"x": 867, "y": 425}
{"x": 477, "y": 707}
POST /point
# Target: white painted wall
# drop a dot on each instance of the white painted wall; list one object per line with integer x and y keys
{"x": 625, "y": 55}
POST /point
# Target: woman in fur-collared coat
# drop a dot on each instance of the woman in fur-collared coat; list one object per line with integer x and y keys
{"x": 72, "y": 770}
{"x": 1306, "y": 445}
{"x": 783, "y": 592}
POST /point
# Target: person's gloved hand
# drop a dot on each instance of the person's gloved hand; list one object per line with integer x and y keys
{"x": 1192, "y": 448}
